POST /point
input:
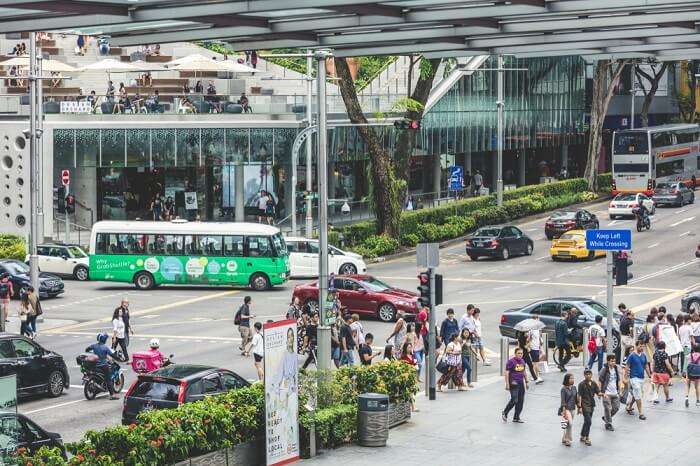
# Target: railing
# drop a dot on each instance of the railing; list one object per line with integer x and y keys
{"x": 68, "y": 232}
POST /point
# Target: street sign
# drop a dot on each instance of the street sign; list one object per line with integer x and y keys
{"x": 428, "y": 255}
{"x": 609, "y": 240}
{"x": 456, "y": 177}
{"x": 65, "y": 177}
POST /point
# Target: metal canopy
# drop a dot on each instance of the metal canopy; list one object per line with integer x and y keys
{"x": 665, "y": 29}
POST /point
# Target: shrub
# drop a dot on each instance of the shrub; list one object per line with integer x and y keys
{"x": 334, "y": 425}
{"x": 410, "y": 240}
{"x": 12, "y": 247}
{"x": 377, "y": 245}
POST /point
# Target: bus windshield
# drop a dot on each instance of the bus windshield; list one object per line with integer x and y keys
{"x": 280, "y": 245}
{"x": 631, "y": 142}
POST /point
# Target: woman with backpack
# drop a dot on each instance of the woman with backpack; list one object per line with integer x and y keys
{"x": 692, "y": 375}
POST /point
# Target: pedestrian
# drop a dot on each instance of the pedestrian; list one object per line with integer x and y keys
{"x": 335, "y": 344}
{"x": 477, "y": 337}
{"x": 311, "y": 341}
{"x": 452, "y": 355}
{"x": 257, "y": 347}
{"x": 587, "y": 391}
{"x": 449, "y": 327}
{"x": 516, "y": 383}
{"x": 626, "y": 330}
{"x": 637, "y": 365}
{"x": 597, "y": 337}
{"x": 242, "y": 319}
{"x": 609, "y": 379}
{"x": 294, "y": 311}
{"x": 662, "y": 373}
{"x": 685, "y": 336}
{"x": 418, "y": 348}
{"x": 567, "y": 409}
{"x": 465, "y": 340}
{"x": 561, "y": 336}
{"x": 347, "y": 343}
{"x": 262, "y": 206}
{"x": 407, "y": 357}
{"x": 467, "y": 320}
{"x": 358, "y": 331}
{"x": 6, "y": 292}
{"x": 647, "y": 334}
{"x": 477, "y": 182}
{"x": 119, "y": 333}
{"x": 365, "y": 351}
{"x": 34, "y": 310}
{"x": 522, "y": 340}
{"x": 389, "y": 353}
{"x": 23, "y": 316}
{"x": 412, "y": 338}
{"x": 535, "y": 342}
{"x": 398, "y": 335}
{"x": 692, "y": 376}
{"x": 422, "y": 320}
{"x": 126, "y": 316}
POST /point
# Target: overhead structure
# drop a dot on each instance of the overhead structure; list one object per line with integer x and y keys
{"x": 665, "y": 29}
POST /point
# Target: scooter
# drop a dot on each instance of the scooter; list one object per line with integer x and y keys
{"x": 643, "y": 221}
{"x": 94, "y": 380}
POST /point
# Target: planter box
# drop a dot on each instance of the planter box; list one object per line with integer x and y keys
{"x": 399, "y": 413}
{"x": 250, "y": 453}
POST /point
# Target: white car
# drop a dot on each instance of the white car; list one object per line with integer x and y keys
{"x": 623, "y": 203}
{"x": 64, "y": 259}
{"x": 303, "y": 259}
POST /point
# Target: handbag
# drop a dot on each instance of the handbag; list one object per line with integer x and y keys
{"x": 694, "y": 368}
{"x": 39, "y": 310}
{"x": 441, "y": 366}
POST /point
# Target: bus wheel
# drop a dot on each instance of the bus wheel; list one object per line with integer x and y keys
{"x": 144, "y": 281}
{"x": 259, "y": 282}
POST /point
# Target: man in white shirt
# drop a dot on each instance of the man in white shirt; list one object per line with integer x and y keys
{"x": 257, "y": 347}
{"x": 535, "y": 338}
{"x": 598, "y": 333}
{"x": 467, "y": 320}
{"x": 262, "y": 206}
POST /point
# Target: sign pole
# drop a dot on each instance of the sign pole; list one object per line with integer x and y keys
{"x": 609, "y": 268}
{"x": 431, "y": 337}
{"x": 67, "y": 215}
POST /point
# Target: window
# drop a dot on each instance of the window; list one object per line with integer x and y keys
{"x": 210, "y": 245}
{"x": 190, "y": 244}
{"x": 280, "y": 245}
{"x": 661, "y": 140}
{"x": 56, "y": 252}
{"x": 77, "y": 252}
{"x": 670, "y": 168}
{"x": 259, "y": 246}
{"x": 174, "y": 245}
{"x": 12, "y": 434}
{"x": 42, "y": 250}
{"x": 24, "y": 349}
{"x": 156, "y": 244}
{"x": 7, "y": 351}
{"x": 292, "y": 246}
{"x": 166, "y": 391}
{"x": 547, "y": 309}
{"x": 233, "y": 246}
{"x": 211, "y": 384}
{"x": 516, "y": 231}
{"x": 627, "y": 142}
{"x": 313, "y": 247}
{"x": 631, "y": 168}
{"x": 231, "y": 382}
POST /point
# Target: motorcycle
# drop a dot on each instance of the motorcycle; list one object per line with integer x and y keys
{"x": 643, "y": 221}
{"x": 93, "y": 378}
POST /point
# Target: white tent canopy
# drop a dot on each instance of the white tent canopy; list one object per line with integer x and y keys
{"x": 110, "y": 65}
{"x": 46, "y": 65}
{"x": 198, "y": 62}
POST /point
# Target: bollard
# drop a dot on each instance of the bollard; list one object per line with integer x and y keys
{"x": 505, "y": 354}
{"x": 474, "y": 363}
{"x": 586, "y": 356}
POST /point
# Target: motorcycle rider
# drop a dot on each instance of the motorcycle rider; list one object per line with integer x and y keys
{"x": 159, "y": 360}
{"x": 105, "y": 355}
{"x": 641, "y": 213}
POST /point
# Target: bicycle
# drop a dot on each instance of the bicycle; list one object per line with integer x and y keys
{"x": 571, "y": 350}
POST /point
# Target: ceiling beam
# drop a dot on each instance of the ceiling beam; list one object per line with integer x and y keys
{"x": 370, "y": 10}
{"x": 189, "y": 35}
{"x": 231, "y": 20}
{"x": 407, "y": 49}
{"x": 75, "y": 7}
{"x": 270, "y": 44}
{"x": 53, "y": 23}
{"x": 428, "y": 33}
{"x": 554, "y": 45}
{"x": 649, "y": 47}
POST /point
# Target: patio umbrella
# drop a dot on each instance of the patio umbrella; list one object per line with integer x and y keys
{"x": 198, "y": 63}
{"x": 110, "y": 65}
{"x": 147, "y": 66}
{"x": 529, "y": 324}
{"x": 46, "y": 65}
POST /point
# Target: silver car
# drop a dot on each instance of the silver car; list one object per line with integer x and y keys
{"x": 675, "y": 194}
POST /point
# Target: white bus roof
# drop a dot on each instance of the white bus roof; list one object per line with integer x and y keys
{"x": 183, "y": 227}
{"x": 654, "y": 129}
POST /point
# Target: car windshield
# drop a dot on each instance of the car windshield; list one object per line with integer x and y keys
{"x": 598, "y": 308}
{"x": 626, "y": 197}
{"x": 77, "y": 252}
{"x": 167, "y": 391}
{"x": 375, "y": 285}
{"x": 661, "y": 186}
{"x": 488, "y": 232}
{"x": 335, "y": 251}
{"x": 571, "y": 237}
{"x": 16, "y": 268}
{"x": 563, "y": 215}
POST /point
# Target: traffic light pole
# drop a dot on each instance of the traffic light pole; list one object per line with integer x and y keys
{"x": 67, "y": 216}
{"x": 432, "y": 350}
{"x": 609, "y": 268}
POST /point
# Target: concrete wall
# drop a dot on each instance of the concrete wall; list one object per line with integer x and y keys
{"x": 14, "y": 179}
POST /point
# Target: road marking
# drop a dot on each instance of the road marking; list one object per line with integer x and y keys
{"x": 60, "y": 405}
{"x": 687, "y": 219}
{"x": 666, "y": 298}
{"x": 504, "y": 301}
{"x": 546, "y": 279}
{"x": 151, "y": 316}
{"x": 683, "y": 234}
{"x": 501, "y": 288}
{"x": 542, "y": 258}
{"x": 468, "y": 291}
{"x": 652, "y": 245}
{"x": 146, "y": 311}
{"x": 478, "y": 274}
{"x": 662, "y": 272}
{"x": 680, "y": 211}
{"x": 614, "y": 222}
{"x": 171, "y": 338}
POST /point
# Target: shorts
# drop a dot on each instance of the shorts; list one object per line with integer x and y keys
{"x": 636, "y": 387}
{"x": 535, "y": 355}
{"x": 257, "y": 357}
{"x": 660, "y": 378}
{"x": 477, "y": 343}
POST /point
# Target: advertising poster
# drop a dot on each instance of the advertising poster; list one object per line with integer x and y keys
{"x": 281, "y": 392}
{"x": 8, "y": 393}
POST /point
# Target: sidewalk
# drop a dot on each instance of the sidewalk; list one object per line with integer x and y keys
{"x": 461, "y": 427}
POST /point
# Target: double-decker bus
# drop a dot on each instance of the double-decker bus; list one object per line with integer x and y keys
{"x": 646, "y": 156}
{"x": 149, "y": 254}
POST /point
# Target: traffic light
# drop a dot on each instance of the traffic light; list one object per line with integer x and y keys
{"x": 70, "y": 204}
{"x": 424, "y": 289}
{"x": 621, "y": 263}
{"x": 59, "y": 199}
{"x": 407, "y": 124}
{"x": 438, "y": 289}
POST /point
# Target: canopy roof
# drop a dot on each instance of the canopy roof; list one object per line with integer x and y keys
{"x": 665, "y": 29}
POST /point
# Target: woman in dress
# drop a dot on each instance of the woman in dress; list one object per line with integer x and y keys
{"x": 465, "y": 339}
{"x": 398, "y": 335}
{"x": 453, "y": 359}
{"x": 567, "y": 409}
{"x": 119, "y": 332}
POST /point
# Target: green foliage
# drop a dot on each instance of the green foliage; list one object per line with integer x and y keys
{"x": 12, "y": 247}
{"x": 407, "y": 105}
{"x": 425, "y": 68}
{"x": 334, "y": 425}
{"x": 377, "y": 245}
{"x": 604, "y": 182}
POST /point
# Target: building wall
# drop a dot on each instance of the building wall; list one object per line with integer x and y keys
{"x": 14, "y": 186}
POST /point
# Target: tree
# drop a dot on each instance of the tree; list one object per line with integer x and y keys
{"x": 649, "y": 85}
{"x": 687, "y": 103}
{"x": 607, "y": 75}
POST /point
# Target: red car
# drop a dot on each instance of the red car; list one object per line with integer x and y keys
{"x": 366, "y": 295}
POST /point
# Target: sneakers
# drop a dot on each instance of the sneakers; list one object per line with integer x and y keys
{"x": 609, "y": 427}
{"x": 519, "y": 421}
{"x": 687, "y": 403}
{"x": 642, "y": 417}
{"x": 587, "y": 442}
{"x": 487, "y": 362}
{"x": 538, "y": 381}
{"x": 504, "y": 418}
{"x": 669, "y": 400}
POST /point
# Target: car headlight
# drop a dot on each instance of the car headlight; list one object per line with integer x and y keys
{"x": 403, "y": 303}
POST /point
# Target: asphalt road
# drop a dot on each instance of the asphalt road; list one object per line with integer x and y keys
{"x": 196, "y": 324}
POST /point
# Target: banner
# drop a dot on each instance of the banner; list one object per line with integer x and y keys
{"x": 8, "y": 393}
{"x": 668, "y": 336}
{"x": 281, "y": 392}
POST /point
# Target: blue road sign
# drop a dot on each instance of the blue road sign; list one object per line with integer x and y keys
{"x": 609, "y": 240}
{"x": 456, "y": 177}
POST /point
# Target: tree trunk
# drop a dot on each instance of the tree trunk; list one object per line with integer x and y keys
{"x": 653, "y": 87}
{"x": 607, "y": 74}
{"x": 384, "y": 193}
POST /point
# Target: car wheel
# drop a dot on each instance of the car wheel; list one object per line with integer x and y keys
{"x": 555, "y": 259}
{"x": 591, "y": 255}
{"x": 505, "y": 253}
{"x": 694, "y": 305}
{"x": 528, "y": 249}
{"x": 312, "y": 304}
{"x": 144, "y": 281}
{"x": 259, "y": 282}
{"x": 616, "y": 341}
{"x": 81, "y": 273}
{"x": 347, "y": 269}
{"x": 473, "y": 257}
{"x": 55, "y": 385}
{"x": 386, "y": 313}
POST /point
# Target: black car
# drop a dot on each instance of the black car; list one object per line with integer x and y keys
{"x": 38, "y": 370}
{"x": 18, "y": 431}
{"x": 562, "y": 221}
{"x": 50, "y": 285}
{"x": 174, "y": 385}
{"x": 501, "y": 242}
{"x": 691, "y": 301}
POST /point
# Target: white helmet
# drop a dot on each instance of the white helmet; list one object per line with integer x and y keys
{"x": 155, "y": 343}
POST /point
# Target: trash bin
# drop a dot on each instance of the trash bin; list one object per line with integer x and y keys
{"x": 372, "y": 419}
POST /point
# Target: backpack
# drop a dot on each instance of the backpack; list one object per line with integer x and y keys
{"x": 644, "y": 337}
{"x": 4, "y": 289}
{"x": 591, "y": 344}
{"x": 694, "y": 367}
{"x": 237, "y": 317}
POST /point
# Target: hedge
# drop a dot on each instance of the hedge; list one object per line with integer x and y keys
{"x": 171, "y": 435}
{"x": 12, "y": 247}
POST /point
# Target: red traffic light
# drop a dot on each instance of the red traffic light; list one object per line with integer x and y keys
{"x": 414, "y": 124}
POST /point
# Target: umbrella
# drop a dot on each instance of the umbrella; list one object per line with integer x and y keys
{"x": 529, "y": 324}
{"x": 110, "y": 65}
{"x": 197, "y": 62}
{"x": 146, "y": 66}
{"x": 46, "y": 65}
{"x": 236, "y": 67}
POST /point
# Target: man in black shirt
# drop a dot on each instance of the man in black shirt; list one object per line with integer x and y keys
{"x": 347, "y": 343}
{"x": 626, "y": 329}
{"x": 243, "y": 317}
{"x": 311, "y": 340}
{"x": 365, "y": 351}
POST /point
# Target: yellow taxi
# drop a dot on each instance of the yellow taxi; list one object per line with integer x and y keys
{"x": 572, "y": 245}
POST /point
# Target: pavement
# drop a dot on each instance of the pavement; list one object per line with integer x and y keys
{"x": 461, "y": 427}
{"x": 196, "y": 323}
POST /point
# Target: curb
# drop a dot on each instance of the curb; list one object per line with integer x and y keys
{"x": 451, "y": 242}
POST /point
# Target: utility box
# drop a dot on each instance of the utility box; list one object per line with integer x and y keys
{"x": 372, "y": 419}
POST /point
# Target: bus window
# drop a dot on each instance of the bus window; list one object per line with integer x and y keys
{"x": 627, "y": 142}
{"x": 669, "y": 168}
{"x": 210, "y": 245}
{"x": 191, "y": 248}
{"x": 280, "y": 245}
{"x": 631, "y": 168}
{"x": 138, "y": 246}
{"x": 661, "y": 140}
{"x": 102, "y": 242}
{"x": 157, "y": 244}
{"x": 233, "y": 246}
{"x": 174, "y": 245}
{"x": 259, "y": 246}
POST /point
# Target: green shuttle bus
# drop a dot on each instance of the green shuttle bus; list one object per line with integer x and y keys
{"x": 179, "y": 252}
